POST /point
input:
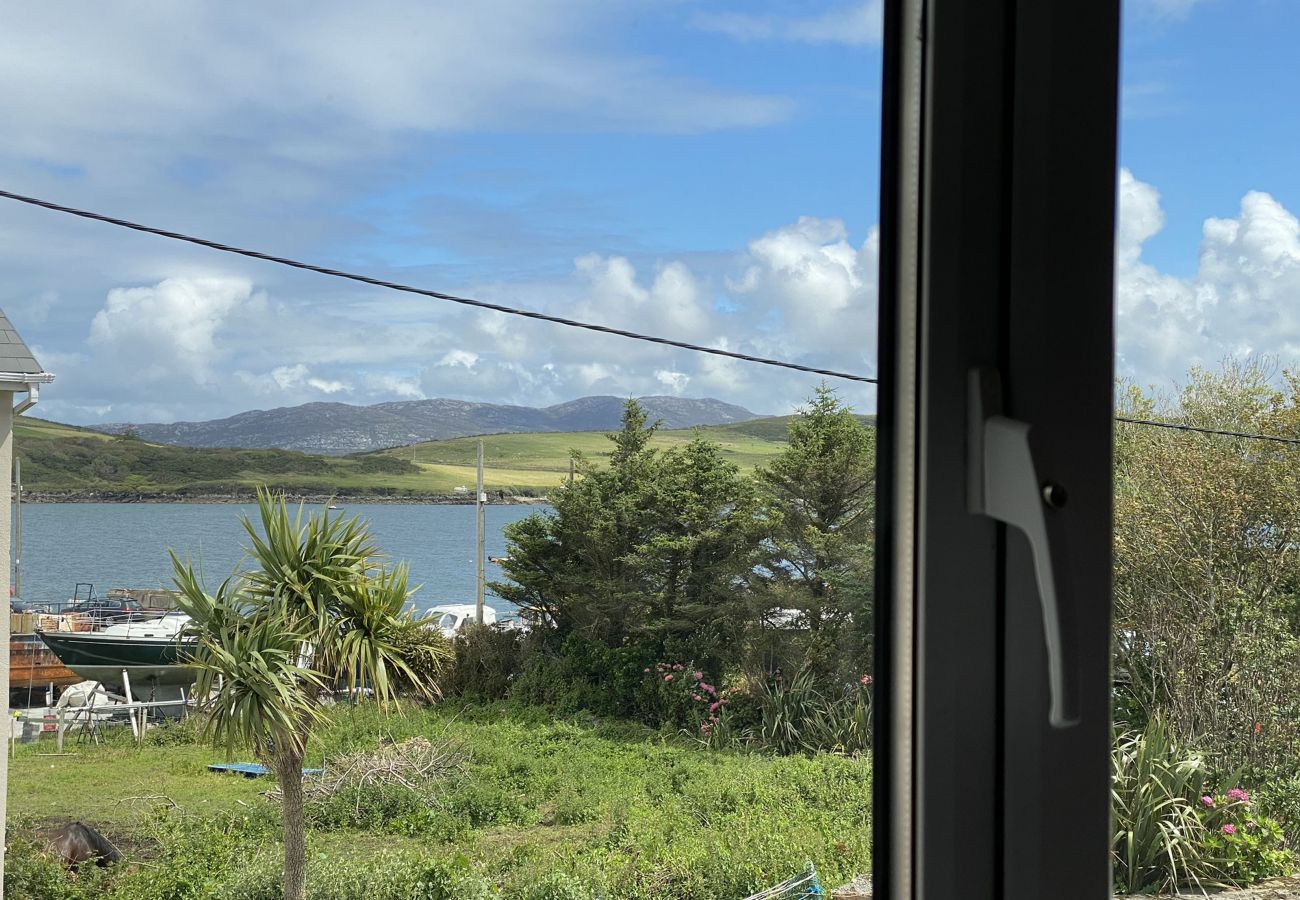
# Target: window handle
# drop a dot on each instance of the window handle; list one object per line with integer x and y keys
{"x": 1003, "y": 484}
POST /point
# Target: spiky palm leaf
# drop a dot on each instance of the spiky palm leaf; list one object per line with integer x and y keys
{"x": 316, "y": 610}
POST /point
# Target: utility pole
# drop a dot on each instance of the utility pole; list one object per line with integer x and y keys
{"x": 18, "y": 528}
{"x": 480, "y": 499}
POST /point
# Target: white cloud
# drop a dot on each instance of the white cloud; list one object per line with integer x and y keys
{"x": 288, "y": 378}
{"x": 1240, "y": 301}
{"x": 394, "y": 386}
{"x": 462, "y": 358}
{"x": 209, "y": 346}
{"x": 320, "y": 83}
{"x": 673, "y": 381}
{"x": 168, "y": 330}
{"x": 857, "y": 24}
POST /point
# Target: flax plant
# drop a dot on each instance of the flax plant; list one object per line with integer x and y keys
{"x": 316, "y": 612}
{"x": 1159, "y": 842}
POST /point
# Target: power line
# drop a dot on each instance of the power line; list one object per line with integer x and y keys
{"x": 436, "y": 295}
{"x": 1151, "y": 423}
{"x": 530, "y": 314}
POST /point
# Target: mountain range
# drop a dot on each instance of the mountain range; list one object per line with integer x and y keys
{"x": 341, "y": 428}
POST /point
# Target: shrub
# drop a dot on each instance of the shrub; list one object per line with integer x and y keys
{"x": 429, "y": 656}
{"x": 1173, "y": 829}
{"x": 488, "y": 659}
{"x": 1250, "y": 845}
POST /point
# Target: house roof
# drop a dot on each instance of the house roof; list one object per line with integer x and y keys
{"x": 15, "y": 356}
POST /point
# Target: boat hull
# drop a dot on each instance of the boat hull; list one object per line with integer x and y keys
{"x": 103, "y": 658}
{"x": 33, "y": 665}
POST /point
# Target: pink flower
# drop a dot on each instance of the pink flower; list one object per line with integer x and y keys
{"x": 1239, "y": 795}
{"x": 698, "y": 676}
{"x": 708, "y": 689}
{"x": 668, "y": 677}
{"x": 678, "y": 667}
{"x": 1229, "y": 828}
{"x": 696, "y": 697}
{"x": 713, "y": 707}
{"x": 1208, "y": 801}
{"x": 866, "y": 680}
{"x": 647, "y": 670}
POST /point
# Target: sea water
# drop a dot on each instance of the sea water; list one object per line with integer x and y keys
{"x": 114, "y": 545}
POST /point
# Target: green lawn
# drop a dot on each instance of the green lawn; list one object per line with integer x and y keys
{"x": 609, "y": 810}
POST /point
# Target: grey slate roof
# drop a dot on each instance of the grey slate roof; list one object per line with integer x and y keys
{"x": 14, "y": 355}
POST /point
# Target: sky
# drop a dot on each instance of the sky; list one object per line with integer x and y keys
{"x": 703, "y": 170}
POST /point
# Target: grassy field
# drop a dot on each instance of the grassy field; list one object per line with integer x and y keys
{"x": 539, "y": 461}
{"x": 64, "y": 459}
{"x": 597, "y": 809}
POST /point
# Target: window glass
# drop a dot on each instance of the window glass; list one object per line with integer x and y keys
{"x": 1206, "y": 627}
{"x": 652, "y": 674}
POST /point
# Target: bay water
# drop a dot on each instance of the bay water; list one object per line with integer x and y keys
{"x": 114, "y": 545}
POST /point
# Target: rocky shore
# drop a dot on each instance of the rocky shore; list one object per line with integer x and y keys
{"x": 339, "y": 499}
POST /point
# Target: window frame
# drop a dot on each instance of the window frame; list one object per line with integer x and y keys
{"x": 998, "y": 206}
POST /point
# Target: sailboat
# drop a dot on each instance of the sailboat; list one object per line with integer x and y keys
{"x": 151, "y": 652}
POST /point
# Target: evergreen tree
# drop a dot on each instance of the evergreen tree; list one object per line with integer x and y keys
{"x": 654, "y": 549}
{"x": 819, "y": 547}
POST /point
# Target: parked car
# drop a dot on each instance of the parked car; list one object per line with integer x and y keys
{"x": 110, "y": 610}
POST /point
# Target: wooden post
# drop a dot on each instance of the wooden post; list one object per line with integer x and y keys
{"x": 58, "y": 732}
{"x": 479, "y": 500}
{"x": 570, "y": 471}
{"x": 18, "y": 528}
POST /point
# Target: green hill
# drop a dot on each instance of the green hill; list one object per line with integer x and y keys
{"x": 71, "y": 461}
{"x": 63, "y": 459}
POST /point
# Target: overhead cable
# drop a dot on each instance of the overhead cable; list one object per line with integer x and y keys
{"x": 436, "y": 295}
{"x": 1152, "y": 423}
{"x": 544, "y": 317}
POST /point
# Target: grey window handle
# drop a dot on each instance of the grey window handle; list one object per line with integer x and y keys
{"x": 1003, "y": 483}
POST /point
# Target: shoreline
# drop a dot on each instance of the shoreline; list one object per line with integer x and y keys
{"x": 244, "y": 499}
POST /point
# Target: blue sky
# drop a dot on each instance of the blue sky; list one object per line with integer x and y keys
{"x": 706, "y": 170}
{"x": 1210, "y": 112}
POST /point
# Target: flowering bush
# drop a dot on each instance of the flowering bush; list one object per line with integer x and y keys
{"x": 681, "y": 695}
{"x": 1172, "y": 829}
{"x": 1249, "y": 846}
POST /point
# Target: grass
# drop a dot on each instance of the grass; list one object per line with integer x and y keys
{"x": 119, "y": 785}
{"x": 608, "y": 809}
{"x": 542, "y": 460}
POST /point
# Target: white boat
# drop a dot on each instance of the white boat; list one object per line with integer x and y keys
{"x": 450, "y": 618}
{"x": 151, "y": 652}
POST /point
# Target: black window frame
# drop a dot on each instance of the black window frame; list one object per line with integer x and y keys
{"x": 998, "y": 165}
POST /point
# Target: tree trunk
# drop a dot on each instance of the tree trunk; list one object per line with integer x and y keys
{"x": 288, "y": 769}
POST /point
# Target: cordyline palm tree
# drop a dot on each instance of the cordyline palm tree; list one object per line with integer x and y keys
{"x": 317, "y": 612}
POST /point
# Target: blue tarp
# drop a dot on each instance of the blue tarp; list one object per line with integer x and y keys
{"x": 251, "y": 770}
